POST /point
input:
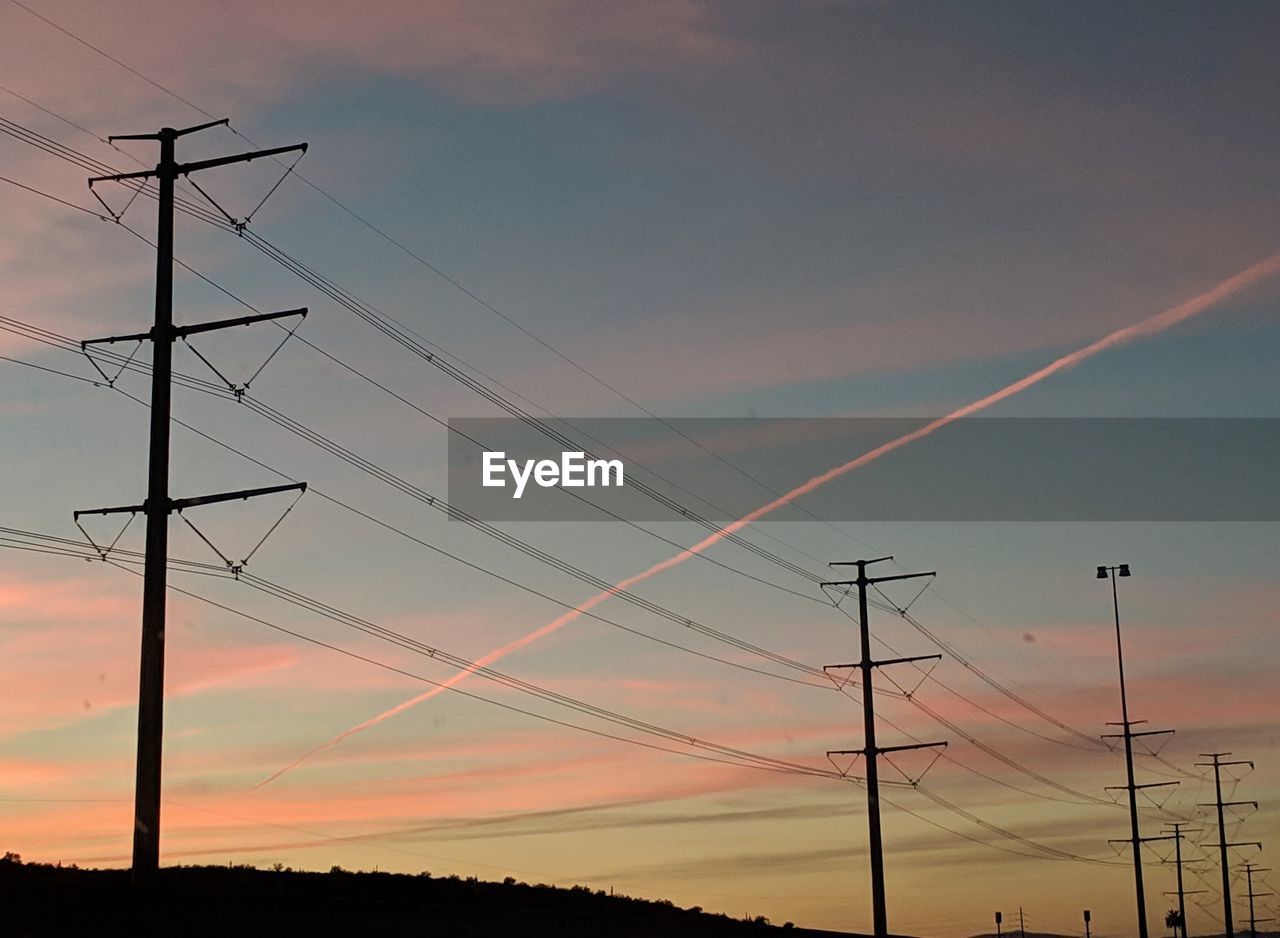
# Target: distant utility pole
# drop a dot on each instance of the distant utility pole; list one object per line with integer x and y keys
{"x": 1249, "y": 870}
{"x": 1022, "y": 925}
{"x": 1177, "y": 837}
{"x": 1217, "y": 764}
{"x": 158, "y": 505}
{"x": 1135, "y": 837}
{"x": 872, "y": 752}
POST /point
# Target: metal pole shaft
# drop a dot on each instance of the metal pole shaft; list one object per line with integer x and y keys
{"x": 146, "y": 829}
{"x": 1128, "y": 760}
{"x": 1228, "y": 928}
{"x": 879, "y": 911}
{"x": 1182, "y": 905}
{"x": 1253, "y": 924}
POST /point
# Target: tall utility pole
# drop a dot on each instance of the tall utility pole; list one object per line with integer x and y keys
{"x": 1177, "y": 837}
{"x": 158, "y": 506}
{"x": 1022, "y": 924}
{"x": 1127, "y": 725}
{"x": 1217, "y": 764}
{"x": 870, "y": 750}
{"x": 1249, "y": 870}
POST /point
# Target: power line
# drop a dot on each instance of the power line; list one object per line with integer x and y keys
{"x": 915, "y": 700}
{"x": 407, "y": 339}
{"x": 457, "y": 284}
{"x": 951, "y": 650}
{"x": 760, "y": 761}
{"x": 918, "y": 703}
{"x": 1022, "y": 702}
{"x": 951, "y": 725}
{"x": 722, "y": 753}
{"x": 338, "y": 295}
{"x": 376, "y": 319}
{"x": 715, "y": 634}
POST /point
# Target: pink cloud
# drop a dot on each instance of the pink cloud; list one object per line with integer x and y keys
{"x": 502, "y": 52}
{"x": 77, "y": 638}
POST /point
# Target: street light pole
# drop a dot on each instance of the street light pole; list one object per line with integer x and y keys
{"x": 1103, "y": 573}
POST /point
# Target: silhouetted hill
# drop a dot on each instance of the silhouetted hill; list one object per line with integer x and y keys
{"x": 42, "y": 900}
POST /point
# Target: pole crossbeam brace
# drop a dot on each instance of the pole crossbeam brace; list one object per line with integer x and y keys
{"x": 158, "y": 505}
{"x": 888, "y": 661}
{"x": 1239, "y": 843}
{"x": 111, "y": 339}
{"x": 871, "y": 750}
{"x": 160, "y": 135}
{"x": 186, "y": 169}
{"x": 1140, "y": 787}
{"x": 178, "y": 504}
{"x": 179, "y": 332}
{"x": 123, "y": 509}
{"x": 882, "y": 749}
{"x": 1133, "y": 735}
{"x": 884, "y": 662}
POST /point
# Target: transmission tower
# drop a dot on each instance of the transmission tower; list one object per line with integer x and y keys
{"x": 1177, "y": 836}
{"x": 158, "y": 505}
{"x": 871, "y": 750}
{"x": 1217, "y": 764}
{"x": 1249, "y": 870}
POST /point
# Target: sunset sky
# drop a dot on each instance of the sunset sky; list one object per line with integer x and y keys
{"x": 733, "y": 208}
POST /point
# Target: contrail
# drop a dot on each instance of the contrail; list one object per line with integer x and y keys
{"x": 1149, "y": 326}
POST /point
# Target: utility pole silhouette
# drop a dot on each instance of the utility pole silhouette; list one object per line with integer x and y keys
{"x": 1249, "y": 870}
{"x": 1177, "y": 836}
{"x": 1217, "y": 764}
{"x": 870, "y": 749}
{"x": 1127, "y": 725}
{"x": 1022, "y": 924}
{"x": 158, "y": 505}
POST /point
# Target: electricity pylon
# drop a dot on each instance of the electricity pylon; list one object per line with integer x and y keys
{"x": 1249, "y": 870}
{"x": 1177, "y": 836}
{"x": 158, "y": 505}
{"x": 870, "y": 750}
{"x": 1217, "y": 764}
